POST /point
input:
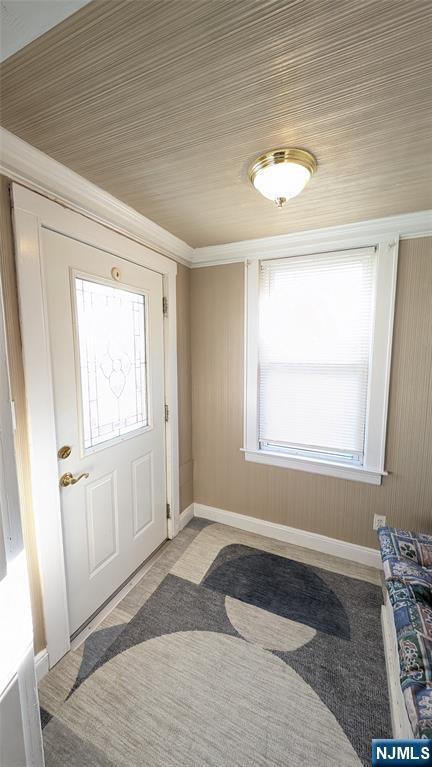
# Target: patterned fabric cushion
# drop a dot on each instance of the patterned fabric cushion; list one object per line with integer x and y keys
{"x": 416, "y": 547}
{"x": 418, "y": 701}
{"x": 401, "y": 593}
{"x": 415, "y": 656}
{"x": 414, "y": 615}
{"x": 408, "y": 572}
{"x": 407, "y": 563}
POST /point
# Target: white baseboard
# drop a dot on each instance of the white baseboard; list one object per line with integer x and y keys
{"x": 401, "y": 725}
{"x": 186, "y": 515}
{"x": 304, "y": 538}
{"x": 41, "y": 664}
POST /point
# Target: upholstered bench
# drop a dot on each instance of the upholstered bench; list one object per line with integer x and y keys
{"x": 407, "y": 564}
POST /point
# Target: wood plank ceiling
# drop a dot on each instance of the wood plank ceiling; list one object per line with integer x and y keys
{"x": 164, "y": 103}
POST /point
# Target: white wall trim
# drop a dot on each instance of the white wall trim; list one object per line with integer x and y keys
{"x": 31, "y": 213}
{"x": 326, "y": 468}
{"x": 401, "y": 725}
{"x": 304, "y": 538}
{"x": 41, "y": 664}
{"x": 17, "y": 669}
{"x": 25, "y": 164}
{"x": 372, "y": 470}
{"x": 360, "y": 234}
{"x": 186, "y": 516}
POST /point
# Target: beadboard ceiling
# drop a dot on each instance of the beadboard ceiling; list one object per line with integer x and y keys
{"x": 164, "y": 103}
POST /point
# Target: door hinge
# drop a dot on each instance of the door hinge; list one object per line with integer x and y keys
{"x": 165, "y": 306}
{"x": 166, "y": 413}
{"x": 168, "y": 511}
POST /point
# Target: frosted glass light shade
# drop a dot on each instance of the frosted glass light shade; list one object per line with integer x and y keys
{"x": 282, "y": 174}
{"x": 284, "y": 180}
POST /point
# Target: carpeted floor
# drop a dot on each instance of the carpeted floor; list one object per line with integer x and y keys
{"x": 234, "y": 650}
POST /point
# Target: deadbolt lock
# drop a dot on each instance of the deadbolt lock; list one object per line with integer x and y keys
{"x": 64, "y": 452}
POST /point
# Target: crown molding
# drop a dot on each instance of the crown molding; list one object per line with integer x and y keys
{"x": 360, "y": 234}
{"x": 26, "y": 165}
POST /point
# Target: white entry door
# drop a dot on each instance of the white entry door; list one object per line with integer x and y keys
{"x": 105, "y": 324}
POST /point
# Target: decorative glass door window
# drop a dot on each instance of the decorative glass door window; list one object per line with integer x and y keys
{"x": 111, "y": 327}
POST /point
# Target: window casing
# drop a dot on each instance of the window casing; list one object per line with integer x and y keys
{"x": 318, "y": 346}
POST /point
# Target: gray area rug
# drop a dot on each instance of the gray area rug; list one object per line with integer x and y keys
{"x": 225, "y": 654}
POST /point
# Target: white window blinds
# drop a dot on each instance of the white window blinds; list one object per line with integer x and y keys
{"x": 315, "y": 334}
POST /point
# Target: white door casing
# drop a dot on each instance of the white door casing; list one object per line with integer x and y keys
{"x": 115, "y": 518}
{"x": 20, "y": 730}
{"x": 33, "y": 216}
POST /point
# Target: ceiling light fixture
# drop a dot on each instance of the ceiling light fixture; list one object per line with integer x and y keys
{"x": 282, "y": 173}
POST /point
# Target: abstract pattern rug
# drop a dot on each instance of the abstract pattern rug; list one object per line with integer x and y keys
{"x": 233, "y": 650}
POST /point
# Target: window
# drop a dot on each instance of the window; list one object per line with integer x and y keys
{"x": 111, "y": 325}
{"x": 318, "y": 356}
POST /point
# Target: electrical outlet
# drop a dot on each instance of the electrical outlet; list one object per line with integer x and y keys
{"x": 379, "y": 521}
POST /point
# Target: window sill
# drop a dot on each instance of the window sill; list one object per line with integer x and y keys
{"x": 315, "y": 466}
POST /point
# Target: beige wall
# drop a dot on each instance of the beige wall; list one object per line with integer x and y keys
{"x": 184, "y": 385}
{"x": 7, "y": 267}
{"x": 325, "y": 505}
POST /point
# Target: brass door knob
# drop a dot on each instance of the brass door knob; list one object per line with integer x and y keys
{"x": 69, "y": 479}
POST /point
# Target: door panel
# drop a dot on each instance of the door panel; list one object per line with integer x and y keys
{"x": 142, "y": 488}
{"x": 102, "y": 522}
{"x": 106, "y": 341}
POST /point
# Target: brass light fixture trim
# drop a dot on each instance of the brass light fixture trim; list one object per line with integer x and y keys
{"x": 286, "y": 156}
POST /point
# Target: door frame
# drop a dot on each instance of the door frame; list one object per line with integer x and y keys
{"x": 19, "y": 703}
{"x": 31, "y": 213}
